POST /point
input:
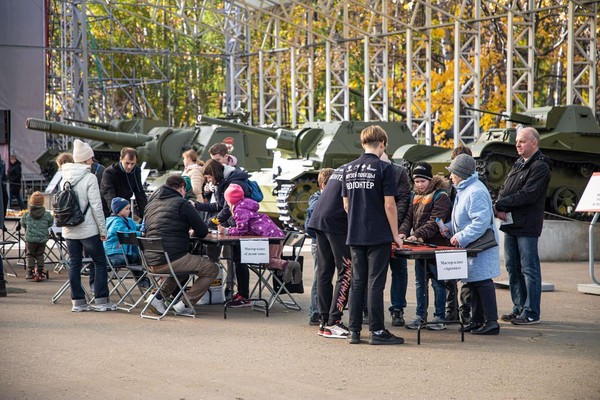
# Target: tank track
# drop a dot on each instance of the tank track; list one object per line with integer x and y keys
{"x": 292, "y": 202}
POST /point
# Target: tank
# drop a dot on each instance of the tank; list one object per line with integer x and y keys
{"x": 158, "y": 145}
{"x": 569, "y": 136}
{"x": 300, "y": 154}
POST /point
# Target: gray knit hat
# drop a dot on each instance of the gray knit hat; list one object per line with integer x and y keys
{"x": 462, "y": 166}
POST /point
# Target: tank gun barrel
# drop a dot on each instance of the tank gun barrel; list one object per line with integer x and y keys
{"x": 90, "y": 123}
{"x": 513, "y": 117}
{"x": 238, "y": 126}
{"x": 120, "y": 138}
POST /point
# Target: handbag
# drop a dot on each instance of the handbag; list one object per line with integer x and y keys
{"x": 485, "y": 241}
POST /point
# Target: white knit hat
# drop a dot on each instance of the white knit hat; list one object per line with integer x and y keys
{"x": 81, "y": 151}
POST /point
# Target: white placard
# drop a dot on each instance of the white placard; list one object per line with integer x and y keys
{"x": 254, "y": 251}
{"x": 451, "y": 264}
{"x": 590, "y": 200}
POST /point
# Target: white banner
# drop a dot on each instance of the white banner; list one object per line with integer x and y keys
{"x": 451, "y": 264}
{"x": 254, "y": 251}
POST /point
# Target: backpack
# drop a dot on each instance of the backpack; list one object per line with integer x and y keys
{"x": 66, "y": 207}
{"x": 255, "y": 193}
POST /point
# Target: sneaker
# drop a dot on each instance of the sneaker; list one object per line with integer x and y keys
{"x": 321, "y": 331}
{"x": 509, "y": 317}
{"x": 398, "y": 317}
{"x": 415, "y": 323}
{"x": 354, "y": 338}
{"x": 437, "y": 324}
{"x": 29, "y": 275}
{"x": 385, "y": 337}
{"x": 101, "y": 307}
{"x": 336, "y": 331}
{"x": 523, "y": 320}
{"x": 156, "y": 306}
{"x": 81, "y": 308}
{"x": 181, "y": 309}
{"x": 314, "y": 319}
{"x": 239, "y": 301}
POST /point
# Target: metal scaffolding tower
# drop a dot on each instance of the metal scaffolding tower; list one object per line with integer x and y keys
{"x": 286, "y": 62}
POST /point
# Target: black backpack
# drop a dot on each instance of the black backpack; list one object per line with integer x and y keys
{"x": 66, "y": 207}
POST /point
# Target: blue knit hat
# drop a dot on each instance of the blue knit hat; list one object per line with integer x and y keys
{"x": 117, "y": 204}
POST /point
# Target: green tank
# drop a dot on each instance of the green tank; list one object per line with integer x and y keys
{"x": 300, "y": 154}
{"x": 158, "y": 145}
{"x": 569, "y": 136}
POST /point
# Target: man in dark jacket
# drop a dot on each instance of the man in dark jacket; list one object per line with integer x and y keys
{"x": 169, "y": 217}
{"x": 14, "y": 180}
{"x": 124, "y": 179}
{"x": 398, "y": 265}
{"x": 520, "y": 206}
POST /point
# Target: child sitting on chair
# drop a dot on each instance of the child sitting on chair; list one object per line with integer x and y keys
{"x": 120, "y": 221}
{"x": 37, "y": 221}
{"x": 249, "y": 222}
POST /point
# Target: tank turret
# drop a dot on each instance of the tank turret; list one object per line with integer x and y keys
{"x": 301, "y": 153}
{"x": 569, "y": 136}
{"x": 158, "y": 145}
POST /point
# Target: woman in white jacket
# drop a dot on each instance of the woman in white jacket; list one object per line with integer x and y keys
{"x": 89, "y": 234}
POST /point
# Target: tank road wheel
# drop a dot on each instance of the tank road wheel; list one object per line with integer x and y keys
{"x": 292, "y": 200}
{"x": 564, "y": 200}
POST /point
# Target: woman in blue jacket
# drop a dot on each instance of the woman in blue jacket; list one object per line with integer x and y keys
{"x": 472, "y": 215}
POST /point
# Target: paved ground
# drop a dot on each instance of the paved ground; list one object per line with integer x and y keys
{"x": 47, "y": 352}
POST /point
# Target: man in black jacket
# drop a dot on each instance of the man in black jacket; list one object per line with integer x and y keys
{"x": 520, "y": 206}
{"x": 169, "y": 217}
{"x": 124, "y": 179}
{"x": 398, "y": 266}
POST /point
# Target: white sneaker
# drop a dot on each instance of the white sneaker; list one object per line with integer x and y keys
{"x": 101, "y": 307}
{"x": 80, "y": 308}
{"x": 181, "y": 309}
{"x": 156, "y": 306}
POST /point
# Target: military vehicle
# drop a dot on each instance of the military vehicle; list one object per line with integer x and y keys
{"x": 158, "y": 145}
{"x": 569, "y": 135}
{"x": 300, "y": 154}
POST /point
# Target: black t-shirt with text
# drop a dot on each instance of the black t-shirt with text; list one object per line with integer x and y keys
{"x": 367, "y": 180}
{"x": 329, "y": 214}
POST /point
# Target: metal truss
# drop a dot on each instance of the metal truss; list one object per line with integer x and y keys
{"x": 467, "y": 50}
{"x": 273, "y": 76}
{"x": 520, "y": 56}
{"x": 418, "y": 77}
{"x": 582, "y": 64}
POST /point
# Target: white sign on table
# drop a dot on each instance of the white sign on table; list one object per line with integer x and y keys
{"x": 451, "y": 264}
{"x": 254, "y": 251}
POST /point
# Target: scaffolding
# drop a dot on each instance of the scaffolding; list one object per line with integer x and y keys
{"x": 271, "y": 76}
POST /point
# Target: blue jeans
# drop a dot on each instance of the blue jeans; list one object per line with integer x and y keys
{"x": 439, "y": 290}
{"x": 524, "y": 274}
{"x": 94, "y": 247}
{"x": 314, "y": 301}
{"x": 399, "y": 283}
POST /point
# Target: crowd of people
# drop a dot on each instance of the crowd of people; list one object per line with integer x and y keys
{"x": 361, "y": 208}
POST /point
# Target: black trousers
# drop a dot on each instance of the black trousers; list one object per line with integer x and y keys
{"x": 332, "y": 254}
{"x": 369, "y": 273}
{"x": 483, "y": 301}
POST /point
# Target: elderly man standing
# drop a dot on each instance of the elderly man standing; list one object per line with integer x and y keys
{"x": 124, "y": 179}
{"x": 520, "y": 206}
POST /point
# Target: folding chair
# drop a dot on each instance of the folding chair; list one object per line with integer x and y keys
{"x": 154, "y": 245}
{"x": 130, "y": 239}
{"x": 279, "y": 291}
{"x": 7, "y": 266}
{"x": 59, "y": 243}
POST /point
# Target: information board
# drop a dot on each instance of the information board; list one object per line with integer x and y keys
{"x": 590, "y": 200}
